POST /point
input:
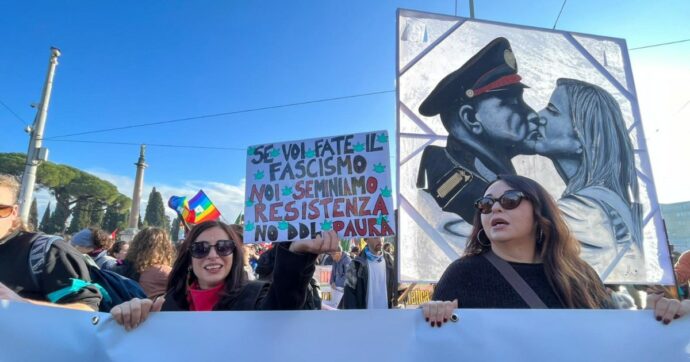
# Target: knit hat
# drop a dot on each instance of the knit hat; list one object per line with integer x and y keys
{"x": 84, "y": 238}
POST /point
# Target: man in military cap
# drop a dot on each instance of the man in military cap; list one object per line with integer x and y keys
{"x": 488, "y": 123}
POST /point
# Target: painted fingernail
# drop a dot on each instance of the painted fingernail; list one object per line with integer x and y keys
{"x": 433, "y": 324}
{"x": 666, "y": 321}
{"x": 427, "y": 319}
{"x": 439, "y": 324}
{"x": 676, "y": 316}
{"x": 445, "y": 320}
{"x": 658, "y": 318}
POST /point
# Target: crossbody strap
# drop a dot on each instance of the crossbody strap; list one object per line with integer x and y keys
{"x": 516, "y": 281}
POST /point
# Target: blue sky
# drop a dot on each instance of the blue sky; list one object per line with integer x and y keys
{"x": 131, "y": 62}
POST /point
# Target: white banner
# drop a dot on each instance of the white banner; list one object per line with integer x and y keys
{"x": 32, "y": 333}
{"x": 297, "y": 189}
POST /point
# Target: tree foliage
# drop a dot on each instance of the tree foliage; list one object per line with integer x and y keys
{"x": 33, "y": 215}
{"x": 155, "y": 211}
{"x": 71, "y": 187}
{"x": 45, "y": 220}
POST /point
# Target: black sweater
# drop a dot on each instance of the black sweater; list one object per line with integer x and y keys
{"x": 475, "y": 283}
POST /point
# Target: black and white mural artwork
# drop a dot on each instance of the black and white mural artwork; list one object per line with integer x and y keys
{"x": 478, "y": 99}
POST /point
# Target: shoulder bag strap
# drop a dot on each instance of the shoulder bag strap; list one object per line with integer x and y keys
{"x": 515, "y": 280}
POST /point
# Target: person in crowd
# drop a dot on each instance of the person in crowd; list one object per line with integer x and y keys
{"x": 95, "y": 243}
{"x": 389, "y": 248}
{"x": 207, "y": 275}
{"x": 354, "y": 252}
{"x": 584, "y": 134}
{"x": 341, "y": 261}
{"x": 249, "y": 255}
{"x": 149, "y": 260}
{"x": 63, "y": 263}
{"x": 682, "y": 269}
{"x": 521, "y": 254}
{"x": 371, "y": 281}
{"x": 119, "y": 251}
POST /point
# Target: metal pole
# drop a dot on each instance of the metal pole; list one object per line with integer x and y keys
{"x": 471, "y": 9}
{"x": 36, "y": 153}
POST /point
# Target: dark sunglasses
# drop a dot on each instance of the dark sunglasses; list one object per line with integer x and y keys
{"x": 509, "y": 200}
{"x": 201, "y": 249}
{"x": 6, "y": 210}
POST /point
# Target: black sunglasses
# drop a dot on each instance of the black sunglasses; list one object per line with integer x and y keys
{"x": 509, "y": 200}
{"x": 201, "y": 249}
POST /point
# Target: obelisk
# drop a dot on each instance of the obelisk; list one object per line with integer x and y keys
{"x": 138, "y": 185}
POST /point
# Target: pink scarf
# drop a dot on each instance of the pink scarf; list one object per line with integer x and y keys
{"x": 203, "y": 300}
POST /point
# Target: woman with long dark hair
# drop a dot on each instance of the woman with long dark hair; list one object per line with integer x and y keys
{"x": 521, "y": 254}
{"x": 208, "y": 275}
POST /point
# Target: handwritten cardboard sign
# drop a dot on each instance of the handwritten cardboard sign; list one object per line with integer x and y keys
{"x": 297, "y": 189}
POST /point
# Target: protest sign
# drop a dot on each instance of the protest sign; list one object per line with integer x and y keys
{"x": 297, "y": 189}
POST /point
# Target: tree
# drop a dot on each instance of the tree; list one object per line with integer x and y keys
{"x": 140, "y": 225}
{"x": 45, "y": 221}
{"x": 155, "y": 211}
{"x": 175, "y": 229}
{"x": 81, "y": 217}
{"x": 33, "y": 215}
{"x": 113, "y": 219}
{"x": 69, "y": 186}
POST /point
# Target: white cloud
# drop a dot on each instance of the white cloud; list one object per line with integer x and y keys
{"x": 228, "y": 198}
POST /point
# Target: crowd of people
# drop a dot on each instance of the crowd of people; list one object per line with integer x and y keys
{"x": 520, "y": 254}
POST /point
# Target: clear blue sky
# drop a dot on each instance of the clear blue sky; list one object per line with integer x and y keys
{"x": 130, "y": 62}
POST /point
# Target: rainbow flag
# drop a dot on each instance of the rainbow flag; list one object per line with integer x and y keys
{"x": 181, "y": 206}
{"x": 202, "y": 208}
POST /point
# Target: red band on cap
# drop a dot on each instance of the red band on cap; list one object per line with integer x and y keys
{"x": 500, "y": 82}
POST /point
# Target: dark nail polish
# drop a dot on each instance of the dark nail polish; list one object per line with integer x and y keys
{"x": 439, "y": 324}
{"x": 666, "y": 321}
{"x": 676, "y": 316}
{"x": 445, "y": 320}
{"x": 427, "y": 319}
{"x": 433, "y": 324}
{"x": 658, "y": 318}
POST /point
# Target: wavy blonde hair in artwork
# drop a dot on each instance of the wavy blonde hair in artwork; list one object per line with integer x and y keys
{"x": 151, "y": 246}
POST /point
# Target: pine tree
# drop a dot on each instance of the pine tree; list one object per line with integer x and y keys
{"x": 175, "y": 229}
{"x": 155, "y": 211}
{"x": 45, "y": 221}
{"x": 81, "y": 216}
{"x": 140, "y": 225}
{"x": 33, "y": 215}
{"x": 112, "y": 219}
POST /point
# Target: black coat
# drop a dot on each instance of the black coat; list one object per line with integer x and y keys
{"x": 288, "y": 290}
{"x": 357, "y": 283}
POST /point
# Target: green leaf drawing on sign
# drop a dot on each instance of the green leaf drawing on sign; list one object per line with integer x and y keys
{"x": 382, "y": 138}
{"x": 326, "y": 225}
{"x": 283, "y": 225}
{"x": 379, "y": 168}
{"x": 287, "y": 191}
{"x": 359, "y": 147}
{"x": 259, "y": 175}
{"x": 249, "y": 226}
{"x": 249, "y": 203}
{"x": 386, "y": 192}
{"x": 381, "y": 219}
{"x": 310, "y": 153}
{"x": 251, "y": 150}
{"x": 275, "y": 153}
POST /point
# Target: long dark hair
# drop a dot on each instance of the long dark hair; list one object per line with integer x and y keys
{"x": 576, "y": 284}
{"x": 182, "y": 274}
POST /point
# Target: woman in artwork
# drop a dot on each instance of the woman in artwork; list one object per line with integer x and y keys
{"x": 583, "y": 132}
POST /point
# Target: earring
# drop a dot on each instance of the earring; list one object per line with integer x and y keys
{"x": 541, "y": 236}
{"x": 479, "y": 239}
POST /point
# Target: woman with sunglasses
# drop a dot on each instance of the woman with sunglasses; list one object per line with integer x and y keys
{"x": 518, "y": 226}
{"x": 208, "y": 275}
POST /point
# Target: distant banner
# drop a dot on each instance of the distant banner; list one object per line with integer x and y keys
{"x": 31, "y": 333}
{"x": 297, "y": 189}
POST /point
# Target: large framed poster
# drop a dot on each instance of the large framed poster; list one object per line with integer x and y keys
{"x": 477, "y": 99}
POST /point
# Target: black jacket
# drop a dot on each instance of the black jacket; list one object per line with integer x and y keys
{"x": 62, "y": 263}
{"x": 288, "y": 290}
{"x": 357, "y": 280}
